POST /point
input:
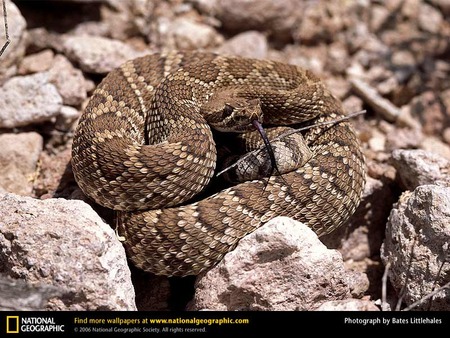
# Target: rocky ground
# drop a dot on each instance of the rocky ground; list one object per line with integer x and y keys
{"x": 390, "y": 58}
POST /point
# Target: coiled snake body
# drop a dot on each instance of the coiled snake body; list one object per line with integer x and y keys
{"x": 144, "y": 147}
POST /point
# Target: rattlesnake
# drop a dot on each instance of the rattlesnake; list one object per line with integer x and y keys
{"x": 142, "y": 147}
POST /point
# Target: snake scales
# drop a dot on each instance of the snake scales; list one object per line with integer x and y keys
{"x": 144, "y": 147}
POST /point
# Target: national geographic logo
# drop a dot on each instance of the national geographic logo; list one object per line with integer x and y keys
{"x": 22, "y": 324}
{"x": 12, "y": 324}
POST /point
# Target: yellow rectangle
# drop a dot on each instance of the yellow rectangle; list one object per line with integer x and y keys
{"x": 10, "y": 328}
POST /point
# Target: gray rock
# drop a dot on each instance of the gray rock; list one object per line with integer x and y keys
{"x": 188, "y": 34}
{"x": 97, "y": 54}
{"x": 275, "y": 17}
{"x": 348, "y": 305}
{"x": 67, "y": 118}
{"x": 338, "y": 59}
{"x": 403, "y": 138}
{"x": 18, "y": 161}
{"x": 15, "y": 51}
{"x": 323, "y": 20}
{"x": 430, "y": 19}
{"x": 420, "y": 167}
{"x": 25, "y": 100}
{"x": 430, "y": 109}
{"x": 417, "y": 246}
{"x": 68, "y": 80}
{"x": 55, "y": 177}
{"x": 65, "y": 244}
{"x": 379, "y": 17}
{"x": 17, "y": 295}
{"x": 357, "y": 282}
{"x": 40, "y": 38}
{"x": 281, "y": 266}
{"x": 434, "y": 145}
{"x": 250, "y": 44}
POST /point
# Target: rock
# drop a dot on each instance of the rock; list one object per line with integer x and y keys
{"x": 321, "y": 21}
{"x": 274, "y": 17}
{"x": 312, "y": 58}
{"x": 444, "y": 6}
{"x": 364, "y": 234}
{"x": 435, "y": 145}
{"x": 92, "y": 28}
{"x": 404, "y": 66}
{"x": 403, "y": 138}
{"x": 390, "y": 84}
{"x": 125, "y": 18}
{"x": 446, "y": 135}
{"x": 188, "y": 34}
{"x": 35, "y": 63}
{"x": 67, "y": 118}
{"x": 98, "y": 55}
{"x": 26, "y": 100}
{"x": 378, "y": 141}
{"x": 359, "y": 241}
{"x": 419, "y": 167}
{"x": 337, "y": 59}
{"x": 403, "y": 59}
{"x": 368, "y": 48}
{"x": 40, "y": 39}
{"x": 55, "y": 175}
{"x": 15, "y": 51}
{"x": 357, "y": 282}
{"x": 251, "y": 44}
{"x": 379, "y": 17}
{"x": 68, "y": 80}
{"x": 152, "y": 292}
{"x": 417, "y": 246}
{"x": 352, "y": 104}
{"x": 412, "y": 10}
{"x": 17, "y": 295}
{"x": 280, "y": 266}
{"x": 348, "y": 305}
{"x": 428, "y": 109}
{"x": 65, "y": 244}
{"x": 18, "y": 161}
{"x": 430, "y": 19}
{"x": 340, "y": 88}
{"x": 379, "y": 104}
{"x": 444, "y": 97}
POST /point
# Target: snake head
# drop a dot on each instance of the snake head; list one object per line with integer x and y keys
{"x": 228, "y": 112}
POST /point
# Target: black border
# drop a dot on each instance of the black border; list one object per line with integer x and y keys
{"x": 281, "y": 323}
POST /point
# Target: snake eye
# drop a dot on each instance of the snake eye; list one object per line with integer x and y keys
{"x": 227, "y": 111}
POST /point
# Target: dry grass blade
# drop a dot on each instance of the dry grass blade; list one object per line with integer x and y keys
{"x": 384, "y": 304}
{"x": 430, "y": 295}
{"x": 5, "y": 18}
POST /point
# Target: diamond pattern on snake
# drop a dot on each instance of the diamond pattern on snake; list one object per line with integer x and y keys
{"x": 158, "y": 129}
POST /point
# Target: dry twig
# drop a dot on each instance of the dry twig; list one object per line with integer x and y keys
{"x": 430, "y": 295}
{"x": 384, "y": 304}
{"x": 379, "y": 104}
{"x": 5, "y": 18}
